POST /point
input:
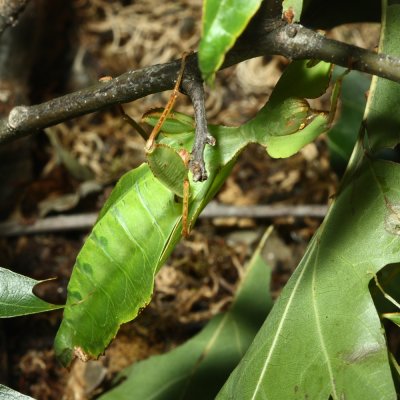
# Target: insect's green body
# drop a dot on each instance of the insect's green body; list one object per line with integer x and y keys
{"x": 141, "y": 222}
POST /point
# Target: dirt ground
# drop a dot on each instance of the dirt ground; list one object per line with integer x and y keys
{"x": 71, "y": 168}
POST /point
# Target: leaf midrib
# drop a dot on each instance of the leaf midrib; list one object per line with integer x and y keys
{"x": 318, "y": 325}
{"x": 281, "y": 323}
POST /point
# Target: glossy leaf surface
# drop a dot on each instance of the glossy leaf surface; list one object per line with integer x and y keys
{"x": 141, "y": 222}
{"x": 209, "y": 356}
{"x": 16, "y": 297}
{"x": 323, "y": 337}
{"x": 223, "y": 22}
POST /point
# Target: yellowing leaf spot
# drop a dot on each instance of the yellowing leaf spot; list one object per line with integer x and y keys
{"x": 392, "y": 220}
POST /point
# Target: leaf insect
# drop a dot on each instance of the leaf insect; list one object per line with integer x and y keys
{"x": 168, "y": 166}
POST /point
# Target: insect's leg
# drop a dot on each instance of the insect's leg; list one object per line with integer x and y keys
{"x": 125, "y": 116}
{"x": 336, "y": 91}
{"x": 150, "y": 142}
{"x": 186, "y": 194}
{"x": 133, "y": 123}
{"x": 185, "y": 208}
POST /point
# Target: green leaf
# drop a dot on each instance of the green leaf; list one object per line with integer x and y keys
{"x": 342, "y": 137}
{"x": 8, "y": 394}
{"x": 209, "y": 356}
{"x": 141, "y": 223}
{"x": 16, "y": 297}
{"x": 383, "y": 102}
{"x": 223, "y": 22}
{"x": 324, "y": 337}
{"x": 317, "y": 316}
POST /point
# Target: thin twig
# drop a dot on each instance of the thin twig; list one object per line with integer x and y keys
{"x": 297, "y": 42}
{"x": 79, "y": 222}
{"x": 217, "y": 210}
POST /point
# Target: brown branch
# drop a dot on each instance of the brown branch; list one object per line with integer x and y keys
{"x": 293, "y": 41}
{"x": 62, "y": 223}
{"x": 298, "y": 42}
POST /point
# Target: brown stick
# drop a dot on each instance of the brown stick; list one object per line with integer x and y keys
{"x": 213, "y": 210}
{"x": 293, "y": 41}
